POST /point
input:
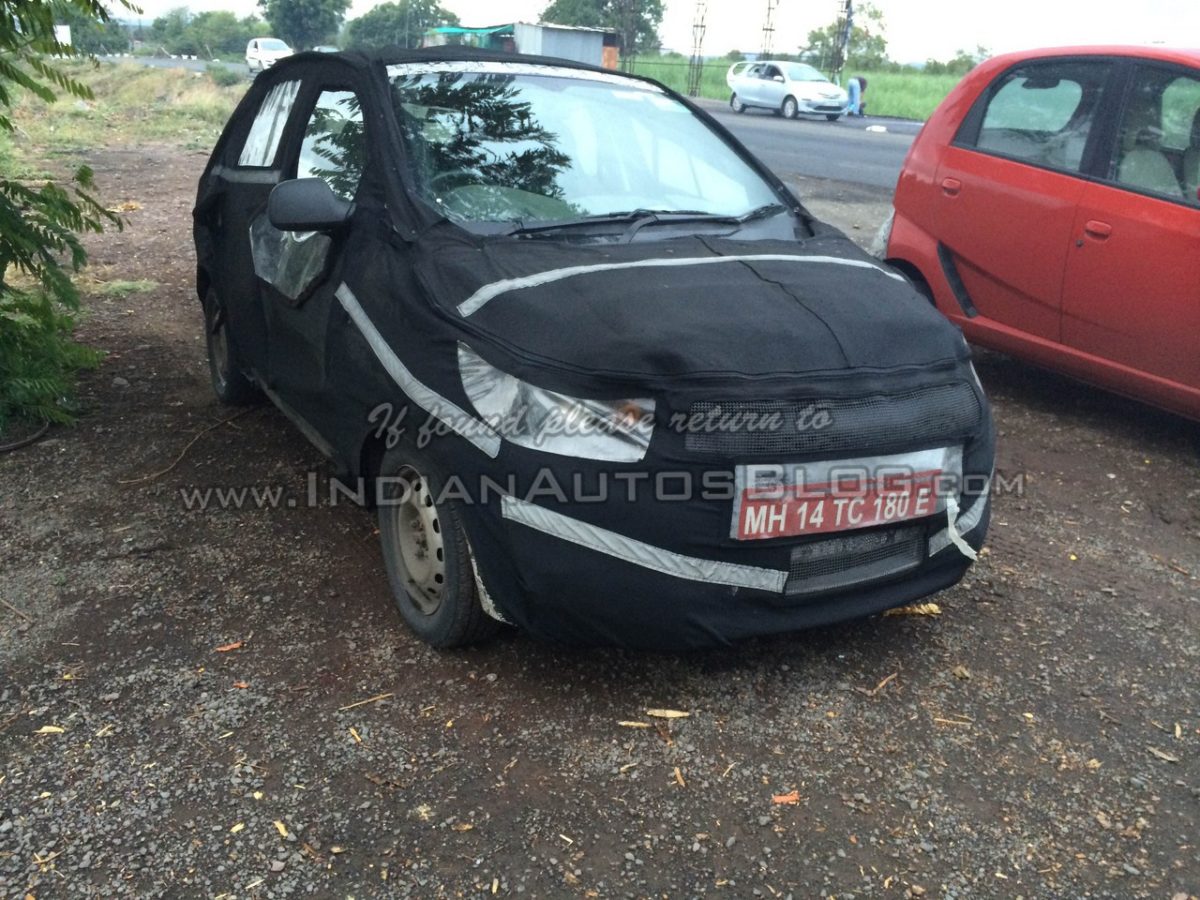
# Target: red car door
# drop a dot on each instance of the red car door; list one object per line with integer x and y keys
{"x": 1131, "y": 295}
{"x": 1008, "y": 189}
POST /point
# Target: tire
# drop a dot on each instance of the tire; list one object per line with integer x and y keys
{"x": 833, "y": 117}
{"x": 736, "y": 105}
{"x": 427, "y": 556}
{"x": 790, "y": 108}
{"x": 229, "y": 382}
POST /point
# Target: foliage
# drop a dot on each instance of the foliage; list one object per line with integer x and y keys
{"x": 401, "y": 24}
{"x": 208, "y": 34}
{"x": 635, "y": 21}
{"x": 40, "y": 226}
{"x": 88, "y": 34}
{"x": 304, "y": 23}
{"x": 868, "y": 43}
{"x": 964, "y": 61}
{"x": 222, "y": 76}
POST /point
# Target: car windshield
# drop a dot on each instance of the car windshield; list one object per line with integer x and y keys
{"x": 508, "y": 143}
{"x": 272, "y": 44}
{"x": 802, "y": 72}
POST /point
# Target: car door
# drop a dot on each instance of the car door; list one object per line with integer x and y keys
{"x": 772, "y": 87}
{"x": 749, "y": 84}
{"x": 298, "y": 272}
{"x": 243, "y": 180}
{"x": 1132, "y": 289}
{"x": 1007, "y": 189}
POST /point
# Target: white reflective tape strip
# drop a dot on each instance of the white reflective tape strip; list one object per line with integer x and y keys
{"x": 485, "y": 599}
{"x": 952, "y": 530}
{"x": 641, "y": 554}
{"x": 433, "y": 403}
{"x": 246, "y": 176}
{"x": 490, "y": 291}
{"x": 964, "y": 524}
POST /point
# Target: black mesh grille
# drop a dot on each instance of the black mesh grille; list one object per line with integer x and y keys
{"x": 840, "y": 562}
{"x": 875, "y": 423}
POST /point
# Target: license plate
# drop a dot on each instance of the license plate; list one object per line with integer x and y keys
{"x": 796, "y": 499}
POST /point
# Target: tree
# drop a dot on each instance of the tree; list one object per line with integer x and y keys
{"x": 221, "y": 32}
{"x": 635, "y": 21}
{"x": 89, "y": 35}
{"x": 401, "y": 24}
{"x": 304, "y": 23}
{"x": 40, "y": 225}
{"x": 868, "y": 43}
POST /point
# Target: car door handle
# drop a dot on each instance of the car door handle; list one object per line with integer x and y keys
{"x": 951, "y": 187}
{"x": 1098, "y": 230}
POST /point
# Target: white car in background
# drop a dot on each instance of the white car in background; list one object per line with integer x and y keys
{"x": 264, "y": 52}
{"x": 788, "y": 89}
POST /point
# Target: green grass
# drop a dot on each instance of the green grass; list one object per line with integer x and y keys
{"x": 133, "y": 104}
{"x": 905, "y": 95}
{"x": 118, "y": 288}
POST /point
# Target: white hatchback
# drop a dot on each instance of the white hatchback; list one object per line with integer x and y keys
{"x": 264, "y": 52}
{"x": 788, "y": 89}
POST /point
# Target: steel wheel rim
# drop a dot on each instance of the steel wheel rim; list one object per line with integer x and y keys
{"x": 419, "y": 539}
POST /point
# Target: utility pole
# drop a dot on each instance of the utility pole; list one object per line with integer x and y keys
{"x": 696, "y": 63}
{"x": 768, "y": 30}
{"x": 841, "y": 46}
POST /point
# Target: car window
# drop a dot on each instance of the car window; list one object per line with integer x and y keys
{"x": 265, "y": 132}
{"x": 770, "y": 72}
{"x": 334, "y": 149}
{"x": 492, "y": 147}
{"x": 1044, "y": 113}
{"x": 1158, "y": 145}
{"x": 803, "y": 72}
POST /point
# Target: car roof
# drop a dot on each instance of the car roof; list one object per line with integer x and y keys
{"x": 449, "y": 54}
{"x": 1160, "y": 52}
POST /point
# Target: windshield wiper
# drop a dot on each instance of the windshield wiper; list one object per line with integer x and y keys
{"x": 640, "y": 218}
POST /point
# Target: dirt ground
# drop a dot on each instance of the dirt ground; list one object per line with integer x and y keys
{"x": 178, "y": 688}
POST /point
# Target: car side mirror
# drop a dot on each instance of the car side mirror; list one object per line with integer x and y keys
{"x": 778, "y": 78}
{"x": 307, "y": 204}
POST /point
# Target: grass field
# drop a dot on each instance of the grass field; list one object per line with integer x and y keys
{"x": 133, "y": 103}
{"x": 906, "y": 95}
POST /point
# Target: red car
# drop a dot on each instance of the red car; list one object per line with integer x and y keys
{"x": 1051, "y": 208}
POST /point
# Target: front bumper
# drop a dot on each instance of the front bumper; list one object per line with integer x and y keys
{"x": 823, "y": 107}
{"x": 658, "y": 573}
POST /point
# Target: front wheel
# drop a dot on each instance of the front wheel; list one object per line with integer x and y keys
{"x": 833, "y": 117}
{"x": 427, "y": 556}
{"x": 736, "y": 104}
{"x": 790, "y": 108}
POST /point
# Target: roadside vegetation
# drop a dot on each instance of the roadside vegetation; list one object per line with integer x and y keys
{"x": 904, "y": 93}
{"x": 46, "y": 201}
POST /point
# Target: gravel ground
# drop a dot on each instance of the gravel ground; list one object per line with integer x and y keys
{"x": 224, "y": 704}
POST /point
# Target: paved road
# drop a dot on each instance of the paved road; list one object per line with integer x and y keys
{"x": 842, "y": 150}
{"x": 815, "y": 148}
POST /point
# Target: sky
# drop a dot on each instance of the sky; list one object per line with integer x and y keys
{"x": 916, "y": 29}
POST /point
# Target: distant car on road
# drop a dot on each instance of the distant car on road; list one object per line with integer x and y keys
{"x": 264, "y": 52}
{"x": 788, "y": 89}
{"x": 1051, "y": 208}
{"x": 325, "y": 48}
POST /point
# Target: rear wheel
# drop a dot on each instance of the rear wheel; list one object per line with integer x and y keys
{"x": 229, "y": 383}
{"x": 427, "y": 556}
{"x": 790, "y": 108}
{"x": 736, "y": 104}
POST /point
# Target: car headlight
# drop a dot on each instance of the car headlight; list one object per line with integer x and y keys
{"x": 614, "y": 430}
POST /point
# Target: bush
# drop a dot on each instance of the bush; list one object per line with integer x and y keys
{"x": 223, "y": 76}
{"x": 38, "y": 358}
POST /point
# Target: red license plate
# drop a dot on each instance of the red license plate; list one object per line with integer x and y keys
{"x": 817, "y": 498}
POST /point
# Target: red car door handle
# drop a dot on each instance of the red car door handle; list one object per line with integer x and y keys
{"x": 1097, "y": 230}
{"x": 951, "y": 187}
